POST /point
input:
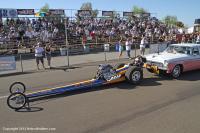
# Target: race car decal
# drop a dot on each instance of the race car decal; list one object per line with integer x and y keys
{"x": 114, "y": 77}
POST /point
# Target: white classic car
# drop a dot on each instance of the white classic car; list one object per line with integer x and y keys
{"x": 174, "y": 60}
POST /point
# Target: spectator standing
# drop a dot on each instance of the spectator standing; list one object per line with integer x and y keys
{"x": 183, "y": 39}
{"x": 121, "y": 48}
{"x": 198, "y": 39}
{"x": 48, "y": 54}
{"x": 39, "y": 51}
{"x": 92, "y": 34}
{"x": 84, "y": 43}
{"x": 128, "y": 48}
{"x": 84, "y": 39}
{"x": 167, "y": 40}
{"x": 142, "y": 45}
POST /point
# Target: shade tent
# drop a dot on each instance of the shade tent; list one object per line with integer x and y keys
{"x": 41, "y": 14}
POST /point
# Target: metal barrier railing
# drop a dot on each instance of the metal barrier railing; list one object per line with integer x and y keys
{"x": 15, "y": 47}
{"x": 78, "y": 53}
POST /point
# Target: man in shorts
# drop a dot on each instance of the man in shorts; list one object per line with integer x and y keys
{"x": 39, "y": 52}
{"x": 142, "y": 45}
{"x": 128, "y": 44}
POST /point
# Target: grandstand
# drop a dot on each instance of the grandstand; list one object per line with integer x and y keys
{"x": 18, "y": 33}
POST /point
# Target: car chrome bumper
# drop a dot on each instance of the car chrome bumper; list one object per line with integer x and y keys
{"x": 154, "y": 68}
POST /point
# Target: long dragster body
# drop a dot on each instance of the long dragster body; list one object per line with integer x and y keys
{"x": 106, "y": 74}
{"x": 81, "y": 85}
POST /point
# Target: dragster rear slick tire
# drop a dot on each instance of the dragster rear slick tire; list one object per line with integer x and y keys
{"x": 134, "y": 75}
{"x": 19, "y": 99}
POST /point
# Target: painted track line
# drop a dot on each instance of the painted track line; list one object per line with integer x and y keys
{"x": 1, "y": 97}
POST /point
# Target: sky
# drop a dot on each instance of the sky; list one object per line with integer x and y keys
{"x": 185, "y": 10}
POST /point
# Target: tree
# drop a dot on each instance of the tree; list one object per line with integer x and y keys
{"x": 45, "y": 8}
{"x": 138, "y": 10}
{"x": 170, "y": 20}
{"x": 180, "y": 24}
{"x": 88, "y": 6}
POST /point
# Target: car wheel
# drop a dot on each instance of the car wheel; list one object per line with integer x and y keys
{"x": 176, "y": 71}
{"x": 134, "y": 75}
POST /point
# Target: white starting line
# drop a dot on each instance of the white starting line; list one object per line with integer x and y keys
{"x": 1, "y": 97}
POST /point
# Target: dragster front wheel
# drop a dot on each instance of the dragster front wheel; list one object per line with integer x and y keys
{"x": 17, "y": 87}
{"x": 17, "y": 100}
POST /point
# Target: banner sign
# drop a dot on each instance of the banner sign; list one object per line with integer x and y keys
{"x": 155, "y": 48}
{"x": 145, "y": 15}
{"x": 127, "y": 14}
{"x": 25, "y": 11}
{"x": 107, "y": 13}
{"x": 197, "y": 21}
{"x": 57, "y": 11}
{"x": 84, "y": 13}
{"x": 8, "y": 13}
{"x": 7, "y": 63}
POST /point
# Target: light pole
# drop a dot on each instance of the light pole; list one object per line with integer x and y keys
{"x": 66, "y": 41}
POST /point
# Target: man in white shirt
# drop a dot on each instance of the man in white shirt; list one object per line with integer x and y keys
{"x": 128, "y": 48}
{"x": 39, "y": 51}
{"x": 142, "y": 45}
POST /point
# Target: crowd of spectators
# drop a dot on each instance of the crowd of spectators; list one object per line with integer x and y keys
{"x": 112, "y": 30}
{"x": 135, "y": 27}
{"x": 104, "y": 29}
{"x": 25, "y": 29}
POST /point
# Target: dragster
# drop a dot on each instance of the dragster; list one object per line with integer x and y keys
{"x": 106, "y": 74}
